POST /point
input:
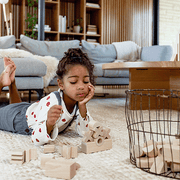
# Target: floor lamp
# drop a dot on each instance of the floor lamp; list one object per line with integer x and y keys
{"x": 7, "y": 15}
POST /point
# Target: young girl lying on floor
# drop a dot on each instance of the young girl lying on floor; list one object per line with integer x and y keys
{"x": 56, "y": 111}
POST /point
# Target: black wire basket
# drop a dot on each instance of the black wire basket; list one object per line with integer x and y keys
{"x": 153, "y": 123}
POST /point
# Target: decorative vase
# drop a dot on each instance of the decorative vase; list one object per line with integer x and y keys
{"x": 77, "y": 29}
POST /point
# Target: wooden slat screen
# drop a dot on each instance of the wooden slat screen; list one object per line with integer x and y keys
{"x": 125, "y": 20}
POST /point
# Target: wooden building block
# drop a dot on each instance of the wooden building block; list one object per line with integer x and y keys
{"x": 99, "y": 141}
{"x": 49, "y": 148}
{"x": 91, "y": 147}
{"x": 150, "y": 151}
{"x": 171, "y": 153}
{"x": 27, "y": 155}
{"x": 45, "y": 158}
{"x": 137, "y": 151}
{"x": 66, "y": 151}
{"x": 93, "y": 125}
{"x": 144, "y": 162}
{"x": 149, "y": 143}
{"x": 17, "y": 152}
{"x": 74, "y": 151}
{"x": 159, "y": 166}
{"x": 106, "y": 132}
{"x": 65, "y": 169}
{"x": 175, "y": 167}
{"x": 20, "y": 158}
{"x": 17, "y": 156}
{"x": 98, "y": 132}
{"x": 88, "y": 136}
{"x": 33, "y": 153}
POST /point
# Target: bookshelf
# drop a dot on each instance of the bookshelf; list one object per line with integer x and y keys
{"x": 81, "y": 12}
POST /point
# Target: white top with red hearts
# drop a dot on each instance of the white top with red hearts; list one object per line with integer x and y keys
{"x": 37, "y": 115}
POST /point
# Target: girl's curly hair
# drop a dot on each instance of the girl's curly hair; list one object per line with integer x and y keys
{"x": 74, "y": 56}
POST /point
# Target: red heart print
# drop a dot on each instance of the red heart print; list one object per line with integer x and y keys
{"x": 40, "y": 130}
{"x": 63, "y": 120}
{"x": 34, "y": 116}
{"x": 33, "y": 133}
{"x": 47, "y": 136}
{"x": 37, "y": 140}
{"x": 47, "y": 104}
{"x": 32, "y": 113}
{"x": 86, "y": 125}
{"x": 48, "y": 97}
{"x": 79, "y": 123}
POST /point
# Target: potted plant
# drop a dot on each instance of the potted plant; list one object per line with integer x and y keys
{"x": 77, "y": 27}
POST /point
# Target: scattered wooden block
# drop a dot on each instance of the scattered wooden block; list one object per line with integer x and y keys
{"x": 27, "y": 155}
{"x": 17, "y": 157}
{"x": 45, "y": 158}
{"x": 150, "y": 151}
{"x": 74, "y": 151}
{"x": 159, "y": 165}
{"x": 66, "y": 151}
{"x": 33, "y": 154}
{"x": 49, "y": 148}
{"x": 65, "y": 169}
{"x": 137, "y": 151}
{"x": 144, "y": 162}
{"x": 171, "y": 153}
{"x": 91, "y": 147}
{"x": 99, "y": 141}
{"x": 175, "y": 167}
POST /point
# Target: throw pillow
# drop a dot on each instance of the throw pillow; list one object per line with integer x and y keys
{"x": 47, "y": 48}
{"x": 99, "y": 53}
{"x": 7, "y": 42}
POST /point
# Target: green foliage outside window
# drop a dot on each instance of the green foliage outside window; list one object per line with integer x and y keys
{"x": 32, "y": 21}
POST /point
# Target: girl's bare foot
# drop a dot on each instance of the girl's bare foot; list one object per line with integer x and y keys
{"x": 8, "y": 61}
{"x": 5, "y": 77}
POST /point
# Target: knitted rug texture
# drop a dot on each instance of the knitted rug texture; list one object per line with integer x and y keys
{"x": 106, "y": 165}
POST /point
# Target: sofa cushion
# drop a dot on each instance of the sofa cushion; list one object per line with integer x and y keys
{"x": 47, "y": 48}
{"x": 27, "y": 66}
{"x": 7, "y": 42}
{"x": 157, "y": 53}
{"x": 99, "y": 53}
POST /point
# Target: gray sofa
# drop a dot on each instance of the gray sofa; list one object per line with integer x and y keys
{"x": 30, "y": 71}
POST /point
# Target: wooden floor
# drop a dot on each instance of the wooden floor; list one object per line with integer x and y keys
{"x": 100, "y": 91}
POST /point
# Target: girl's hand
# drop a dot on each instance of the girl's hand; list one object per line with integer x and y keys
{"x": 53, "y": 115}
{"x": 89, "y": 95}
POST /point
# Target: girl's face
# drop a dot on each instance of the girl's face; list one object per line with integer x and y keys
{"x": 75, "y": 83}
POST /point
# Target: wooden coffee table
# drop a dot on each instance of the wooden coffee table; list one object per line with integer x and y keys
{"x": 150, "y": 75}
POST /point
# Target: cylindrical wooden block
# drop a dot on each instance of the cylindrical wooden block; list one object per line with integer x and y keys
{"x": 99, "y": 141}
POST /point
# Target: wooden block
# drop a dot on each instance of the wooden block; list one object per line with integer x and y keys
{"x": 88, "y": 136}
{"x": 49, "y": 148}
{"x": 176, "y": 142}
{"x": 99, "y": 141}
{"x": 171, "y": 153}
{"x": 149, "y": 143}
{"x": 137, "y": 151}
{"x": 106, "y": 132}
{"x": 20, "y": 158}
{"x": 27, "y": 155}
{"x": 74, "y": 151}
{"x": 33, "y": 154}
{"x": 98, "y": 132}
{"x": 65, "y": 169}
{"x": 175, "y": 167}
{"x": 66, "y": 151}
{"x": 93, "y": 125}
{"x": 45, "y": 158}
{"x": 18, "y": 152}
{"x": 91, "y": 147}
{"x": 159, "y": 166}
{"x": 150, "y": 151}
{"x": 144, "y": 162}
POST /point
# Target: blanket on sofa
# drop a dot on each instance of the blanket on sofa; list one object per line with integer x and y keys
{"x": 51, "y": 62}
{"x": 127, "y": 51}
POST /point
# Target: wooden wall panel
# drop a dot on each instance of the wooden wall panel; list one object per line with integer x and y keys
{"x": 125, "y": 20}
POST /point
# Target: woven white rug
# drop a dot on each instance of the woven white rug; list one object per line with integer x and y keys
{"x": 106, "y": 165}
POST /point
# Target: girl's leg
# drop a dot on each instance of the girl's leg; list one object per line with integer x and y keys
{"x": 7, "y": 78}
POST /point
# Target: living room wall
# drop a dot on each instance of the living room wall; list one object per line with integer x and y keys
{"x": 169, "y": 22}
{"x": 125, "y": 20}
